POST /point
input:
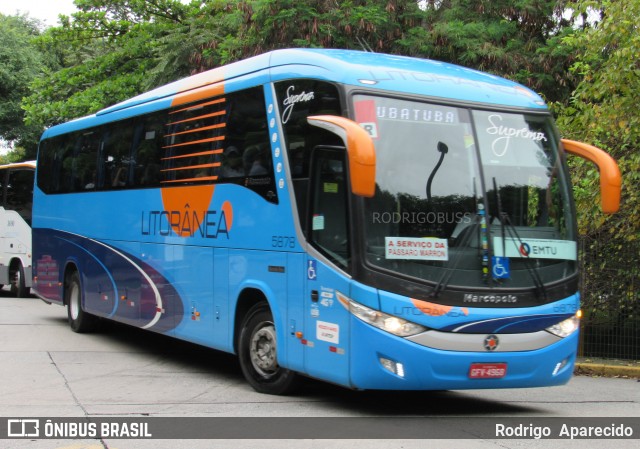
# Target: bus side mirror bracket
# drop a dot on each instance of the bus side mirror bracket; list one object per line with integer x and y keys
{"x": 360, "y": 151}
{"x": 610, "y": 178}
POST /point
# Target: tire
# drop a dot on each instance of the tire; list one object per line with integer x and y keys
{"x": 18, "y": 287}
{"x": 257, "y": 351}
{"x": 79, "y": 320}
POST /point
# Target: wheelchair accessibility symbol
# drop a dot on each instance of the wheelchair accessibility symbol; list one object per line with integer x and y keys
{"x": 500, "y": 267}
{"x": 311, "y": 270}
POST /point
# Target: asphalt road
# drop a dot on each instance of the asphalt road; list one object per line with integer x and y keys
{"x": 46, "y": 370}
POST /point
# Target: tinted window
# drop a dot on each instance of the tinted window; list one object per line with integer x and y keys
{"x": 297, "y": 100}
{"x": 216, "y": 140}
{"x": 329, "y": 218}
{"x": 20, "y": 192}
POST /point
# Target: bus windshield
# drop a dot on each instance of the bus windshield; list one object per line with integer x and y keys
{"x": 467, "y": 198}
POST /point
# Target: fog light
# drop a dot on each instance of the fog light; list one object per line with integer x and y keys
{"x": 559, "y": 366}
{"x": 394, "y": 367}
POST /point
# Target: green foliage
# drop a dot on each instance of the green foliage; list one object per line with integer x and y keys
{"x": 15, "y": 155}
{"x": 20, "y": 63}
{"x": 516, "y": 39}
{"x": 603, "y": 110}
{"x": 98, "y": 46}
{"x": 106, "y": 52}
{"x": 110, "y": 74}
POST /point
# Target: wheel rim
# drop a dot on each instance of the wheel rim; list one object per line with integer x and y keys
{"x": 263, "y": 350}
{"x": 15, "y": 279}
{"x": 74, "y": 302}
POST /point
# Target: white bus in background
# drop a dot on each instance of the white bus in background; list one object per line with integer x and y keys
{"x": 16, "y": 199}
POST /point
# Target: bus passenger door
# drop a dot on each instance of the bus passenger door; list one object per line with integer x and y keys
{"x": 326, "y": 335}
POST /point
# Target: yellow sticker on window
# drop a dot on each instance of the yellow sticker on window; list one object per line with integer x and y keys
{"x": 330, "y": 187}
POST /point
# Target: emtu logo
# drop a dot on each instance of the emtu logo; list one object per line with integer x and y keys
{"x": 525, "y": 249}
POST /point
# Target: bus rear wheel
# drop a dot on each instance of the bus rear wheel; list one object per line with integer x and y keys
{"x": 79, "y": 320}
{"x": 257, "y": 351}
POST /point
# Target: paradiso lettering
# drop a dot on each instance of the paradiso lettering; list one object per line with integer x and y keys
{"x": 207, "y": 224}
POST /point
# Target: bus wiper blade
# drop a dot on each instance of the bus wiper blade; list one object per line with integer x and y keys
{"x": 448, "y": 272}
{"x": 505, "y": 221}
{"x": 442, "y": 149}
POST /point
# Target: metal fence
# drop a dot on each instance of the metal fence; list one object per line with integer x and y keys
{"x": 610, "y": 288}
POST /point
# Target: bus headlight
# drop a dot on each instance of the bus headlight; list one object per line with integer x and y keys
{"x": 389, "y": 323}
{"x": 565, "y": 328}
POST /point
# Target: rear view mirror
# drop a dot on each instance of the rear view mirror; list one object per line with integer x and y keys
{"x": 610, "y": 178}
{"x": 360, "y": 151}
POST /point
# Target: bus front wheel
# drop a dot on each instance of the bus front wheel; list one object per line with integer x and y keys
{"x": 79, "y": 320}
{"x": 257, "y": 351}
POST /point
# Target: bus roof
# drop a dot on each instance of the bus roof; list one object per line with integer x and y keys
{"x": 356, "y": 68}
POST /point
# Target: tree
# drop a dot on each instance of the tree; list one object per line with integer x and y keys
{"x": 123, "y": 47}
{"x": 20, "y": 63}
{"x": 106, "y": 51}
{"x": 216, "y": 33}
{"x": 514, "y": 38}
{"x": 603, "y": 110}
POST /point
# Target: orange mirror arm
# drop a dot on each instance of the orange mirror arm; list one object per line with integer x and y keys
{"x": 360, "y": 150}
{"x": 610, "y": 178}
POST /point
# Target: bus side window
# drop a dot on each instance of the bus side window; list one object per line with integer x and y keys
{"x": 329, "y": 200}
{"x": 3, "y": 178}
{"x": 146, "y": 152}
{"x": 321, "y": 98}
{"x": 64, "y": 146}
{"x": 79, "y": 158}
{"x": 246, "y": 158}
{"x": 20, "y": 193}
{"x": 116, "y": 156}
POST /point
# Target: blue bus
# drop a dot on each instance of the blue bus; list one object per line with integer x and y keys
{"x": 374, "y": 221}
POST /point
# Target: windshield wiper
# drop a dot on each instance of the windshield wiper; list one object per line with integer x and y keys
{"x": 448, "y": 272}
{"x": 443, "y": 149}
{"x": 505, "y": 222}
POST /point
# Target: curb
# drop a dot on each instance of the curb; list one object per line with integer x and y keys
{"x": 598, "y": 369}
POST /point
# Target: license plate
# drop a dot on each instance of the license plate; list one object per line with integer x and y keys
{"x": 487, "y": 370}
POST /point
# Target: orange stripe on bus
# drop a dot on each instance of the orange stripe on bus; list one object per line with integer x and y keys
{"x": 201, "y": 153}
{"x": 199, "y": 105}
{"x": 201, "y": 93}
{"x": 191, "y": 167}
{"x": 193, "y": 142}
{"x": 202, "y": 178}
{"x": 214, "y": 114}
{"x": 196, "y": 130}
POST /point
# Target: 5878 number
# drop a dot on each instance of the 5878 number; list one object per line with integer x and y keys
{"x": 283, "y": 241}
